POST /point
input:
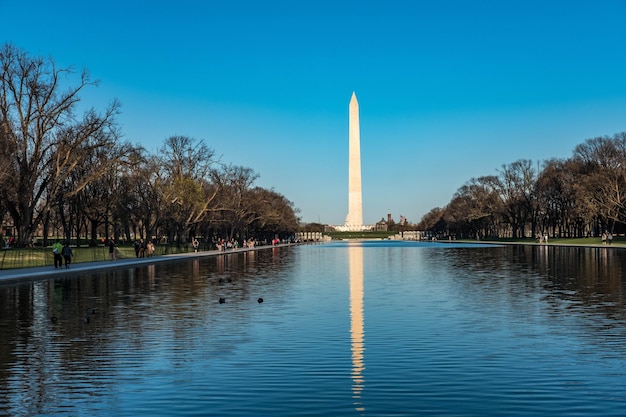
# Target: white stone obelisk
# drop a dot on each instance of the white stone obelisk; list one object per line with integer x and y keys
{"x": 354, "y": 220}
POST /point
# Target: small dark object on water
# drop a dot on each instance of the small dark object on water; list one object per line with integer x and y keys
{"x": 260, "y": 300}
{"x": 53, "y": 319}
{"x": 222, "y": 300}
{"x": 91, "y": 310}
{"x": 85, "y": 319}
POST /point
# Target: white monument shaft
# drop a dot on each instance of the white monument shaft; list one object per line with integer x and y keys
{"x": 354, "y": 220}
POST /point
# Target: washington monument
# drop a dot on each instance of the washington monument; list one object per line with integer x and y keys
{"x": 354, "y": 219}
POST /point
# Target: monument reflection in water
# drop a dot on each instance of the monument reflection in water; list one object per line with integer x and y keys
{"x": 357, "y": 336}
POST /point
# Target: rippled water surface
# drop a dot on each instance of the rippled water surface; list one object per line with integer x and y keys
{"x": 344, "y": 329}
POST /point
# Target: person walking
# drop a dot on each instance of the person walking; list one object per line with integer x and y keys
{"x": 57, "y": 248}
{"x": 67, "y": 254}
{"x": 150, "y": 248}
{"x": 111, "y": 249}
{"x": 137, "y": 247}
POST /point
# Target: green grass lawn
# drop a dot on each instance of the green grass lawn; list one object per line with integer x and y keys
{"x": 34, "y": 257}
{"x": 29, "y": 257}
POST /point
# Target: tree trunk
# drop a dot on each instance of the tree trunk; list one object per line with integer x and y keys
{"x": 24, "y": 226}
{"x": 46, "y": 229}
{"x": 94, "y": 233}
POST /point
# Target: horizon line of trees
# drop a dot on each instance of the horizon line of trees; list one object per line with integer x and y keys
{"x": 580, "y": 196}
{"x": 75, "y": 176}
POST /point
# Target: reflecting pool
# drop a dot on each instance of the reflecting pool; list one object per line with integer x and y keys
{"x": 366, "y": 328}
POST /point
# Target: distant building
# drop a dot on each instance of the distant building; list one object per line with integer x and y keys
{"x": 381, "y": 226}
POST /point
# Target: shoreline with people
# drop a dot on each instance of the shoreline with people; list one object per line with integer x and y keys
{"x": 39, "y": 273}
{"x": 570, "y": 242}
{"x": 36, "y": 273}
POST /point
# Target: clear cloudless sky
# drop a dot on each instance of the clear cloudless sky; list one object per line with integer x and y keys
{"x": 448, "y": 90}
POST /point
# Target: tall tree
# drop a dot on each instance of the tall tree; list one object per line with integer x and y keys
{"x": 273, "y": 214}
{"x": 562, "y": 201}
{"x": 434, "y": 221}
{"x": 516, "y": 187}
{"x": 233, "y": 201}
{"x": 603, "y": 170}
{"x": 186, "y": 168}
{"x": 474, "y": 208}
{"x": 41, "y": 138}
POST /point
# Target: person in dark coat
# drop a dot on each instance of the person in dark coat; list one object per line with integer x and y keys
{"x": 111, "y": 249}
{"x": 67, "y": 254}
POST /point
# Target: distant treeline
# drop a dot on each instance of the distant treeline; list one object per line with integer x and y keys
{"x": 583, "y": 195}
{"x": 67, "y": 175}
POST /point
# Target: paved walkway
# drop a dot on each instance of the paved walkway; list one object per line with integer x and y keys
{"x": 13, "y": 276}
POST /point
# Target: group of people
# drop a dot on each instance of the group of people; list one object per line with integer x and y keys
{"x": 143, "y": 249}
{"x": 223, "y": 244}
{"x": 607, "y": 237}
{"x": 62, "y": 252}
{"x": 542, "y": 238}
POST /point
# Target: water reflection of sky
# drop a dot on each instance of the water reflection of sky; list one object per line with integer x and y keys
{"x": 376, "y": 328}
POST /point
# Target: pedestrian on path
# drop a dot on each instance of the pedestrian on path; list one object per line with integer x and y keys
{"x": 150, "y": 249}
{"x": 67, "y": 254}
{"x": 56, "y": 252}
{"x": 111, "y": 249}
{"x": 137, "y": 247}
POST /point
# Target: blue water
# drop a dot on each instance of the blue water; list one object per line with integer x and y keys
{"x": 373, "y": 328}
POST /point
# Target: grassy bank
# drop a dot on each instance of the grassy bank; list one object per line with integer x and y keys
{"x": 33, "y": 257}
{"x": 582, "y": 241}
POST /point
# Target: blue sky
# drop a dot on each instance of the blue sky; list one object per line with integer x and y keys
{"x": 448, "y": 90}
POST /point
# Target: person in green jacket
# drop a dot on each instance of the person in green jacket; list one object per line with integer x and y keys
{"x": 57, "y": 248}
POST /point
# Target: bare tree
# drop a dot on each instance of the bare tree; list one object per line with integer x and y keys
{"x": 273, "y": 214}
{"x": 43, "y": 141}
{"x": 516, "y": 187}
{"x": 433, "y": 221}
{"x": 233, "y": 201}
{"x": 603, "y": 169}
{"x": 185, "y": 172}
{"x": 474, "y": 208}
{"x": 563, "y": 205}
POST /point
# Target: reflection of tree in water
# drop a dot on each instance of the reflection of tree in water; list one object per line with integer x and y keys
{"x": 136, "y": 311}
{"x": 566, "y": 278}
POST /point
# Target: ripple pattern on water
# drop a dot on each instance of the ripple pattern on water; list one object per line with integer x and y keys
{"x": 374, "y": 328}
